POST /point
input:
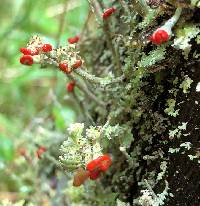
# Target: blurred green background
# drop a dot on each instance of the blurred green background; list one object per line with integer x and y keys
{"x": 32, "y": 99}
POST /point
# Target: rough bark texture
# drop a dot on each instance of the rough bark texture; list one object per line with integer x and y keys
{"x": 184, "y": 174}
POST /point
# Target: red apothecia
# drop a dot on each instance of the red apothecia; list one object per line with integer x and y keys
{"x": 98, "y": 165}
{"x": 159, "y": 36}
{"x": 70, "y": 86}
{"x": 95, "y": 174}
{"x": 66, "y": 58}
{"x": 26, "y": 51}
{"x": 93, "y": 170}
{"x": 64, "y": 67}
{"x": 104, "y": 162}
{"x": 26, "y": 60}
{"x": 164, "y": 33}
{"x": 73, "y": 40}
{"x": 77, "y": 64}
{"x": 40, "y": 151}
{"x": 108, "y": 12}
{"x": 47, "y": 48}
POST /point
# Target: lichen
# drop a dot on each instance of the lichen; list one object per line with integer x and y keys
{"x": 170, "y": 110}
{"x": 184, "y": 35}
{"x": 177, "y": 132}
{"x": 186, "y": 84}
{"x": 78, "y": 149}
{"x": 153, "y": 57}
{"x": 137, "y": 95}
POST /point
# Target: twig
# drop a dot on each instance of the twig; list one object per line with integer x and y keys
{"x": 84, "y": 110}
{"x": 150, "y": 189}
{"x": 98, "y": 80}
{"x": 60, "y": 31}
{"x": 115, "y": 51}
{"x": 61, "y": 23}
{"x": 95, "y": 11}
{"x": 82, "y": 86}
{"x": 91, "y": 78}
{"x": 85, "y": 26}
{"x": 54, "y": 98}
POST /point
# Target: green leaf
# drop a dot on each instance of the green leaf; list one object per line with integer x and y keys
{"x": 63, "y": 117}
{"x": 6, "y": 148}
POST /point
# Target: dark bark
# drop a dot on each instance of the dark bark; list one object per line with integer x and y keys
{"x": 184, "y": 174}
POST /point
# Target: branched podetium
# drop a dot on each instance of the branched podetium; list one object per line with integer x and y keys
{"x": 65, "y": 58}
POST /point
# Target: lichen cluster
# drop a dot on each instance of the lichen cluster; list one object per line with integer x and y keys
{"x": 141, "y": 88}
{"x": 137, "y": 125}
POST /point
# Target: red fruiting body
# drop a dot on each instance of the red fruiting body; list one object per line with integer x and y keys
{"x": 159, "y": 36}
{"x": 94, "y": 174}
{"x": 77, "y": 64}
{"x": 70, "y": 86}
{"x": 98, "y": 165}
{"x": 92, "y": 165}
{"x": 22, "y": 50}
{"x": 104, "y": 162}
{"x": 74, "y": 39}
{"x": 108, "y": 12}
{"x": 26, "y": 51}
{"x": 40, "y": 151}
{"x": 46, "y": 48}
{"x": 64, "y": 67}
{"x": 26, "y": 60}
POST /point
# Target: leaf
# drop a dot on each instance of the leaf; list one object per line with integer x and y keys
{"x": 6, "y": 148}
{"x": 63, "y": 117}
